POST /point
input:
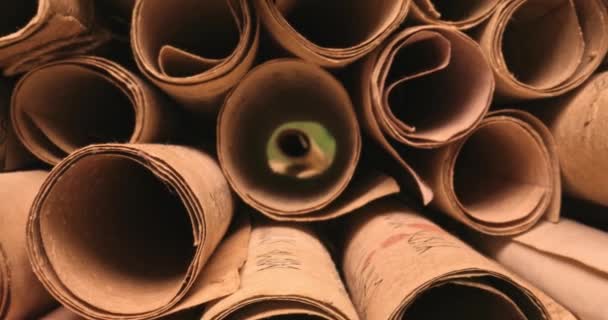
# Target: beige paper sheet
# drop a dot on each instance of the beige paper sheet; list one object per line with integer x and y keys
{"x": 126, "y": 231}
{"x": 21, "y": 294}
{"x": 399, "y": 265}
{"x": 544, "y": 48}
{"x": 13, "y": 155}
{"x": 288, "y": 275}
{"x": 567, "y": 260}
{"x": 196, "y": 51}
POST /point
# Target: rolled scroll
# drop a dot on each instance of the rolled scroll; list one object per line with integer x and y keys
{"x": 460, "y": 14}
{"x": 411, "y": 93}
{"x": 79, "y": 101}
{"x": 13, "y": 155}
{"x": 195, "y": 50}
{"x": 288, "y": 275}
{"x": 34, "y": 32}
{"x": 567, "y": 260}
{"x": 126, "y": 231}
{"x": 500, "y": 180}
{"x": 399, "y": 265}
{"x": 544, "y": 48}
{"x": 21, "y": 294}
{"x": 316, "y": 31}
{"x": 289, "y": 143}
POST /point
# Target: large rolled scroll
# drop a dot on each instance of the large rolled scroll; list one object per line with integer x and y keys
{"x": 21, "y": 294}
{"x": 544, "y": 48}
{"x": 500, "y": 180}
{"x": 34, "y": 32}
{"x": 567, "y": 260}
{"x": 288, "y": 275}
{"x": 289, "y": 143}
{"x": 195, "y": 50}
{"x": 13, "y": 155}
{"x": 399, "y": 265}
{"x": 331, "y": 33}
{"x": 463, "y": 14}
{"x": 84, "y": 100}
{"x": 411, "y": 93}
{"x": 126, "y": 231}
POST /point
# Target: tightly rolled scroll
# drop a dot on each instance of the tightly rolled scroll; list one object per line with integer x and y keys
{"x": 316, "y": 31}
{"x": 13, "y": 155}
{"x": 34, "y": 32}
{"x": 544, "y": 48}
{"x": 289, "y": 143}
{"x": 412, "y": 93}
{"x": 21, "y": 294}
{"x": 75, "y": 102}
{"x": 500, "y": 180}
{"x": 195, "y": 50}
{"x": 460, "y": 14}
{"x": 578, "y": 122}
{"x": 288, "y": 275}
{"x": 399, "y": 265}
{"x": 126, "y": 231}
{"x": 567, "y": 260}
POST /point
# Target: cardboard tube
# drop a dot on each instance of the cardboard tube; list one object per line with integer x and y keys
{"x": 399, "y": 265}
{"x": 577, "y": 121}
{"x": 288, "y": 275}
{"x": 21, "y": 294}
{"x": 544, "y": 48}
{"x": 13, "y": 155}
{"x": 315, "y": 30}
{"x": 75, "y": 102}
{"x": 411, "y": 92}
{"x": 34, "y": 32}
{"x": 196, "y": 51}
{"x": 500, "y": 180}
{"x": 126, "y": 231}
{"x": 567, "y": 260}
{"x": 462, "y": 14}
{"x": 289, "y": 143}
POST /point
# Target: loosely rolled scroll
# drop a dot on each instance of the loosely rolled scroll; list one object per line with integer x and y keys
{"x": 21, "y": 294}
{"x": 411, "y": 92}
{"x": 567, "y": 260}
{"x": 578, "y": 121}
{"x": 13, "y": 155}
{"x": 460, "y": 14}
{"x": 399, "y": 265}
{"x": 544, "y": 48}
{"x": 75, "y": 102}
{"x": 195, "y": 50}
{"x": 33, "y": 32}
{"x": 331, "y": 33}
{"x": 126, "y": 231}
{"x": 500, "y": 180}
{"x": 288, "y": 275}
{"x": 289, "y": 143}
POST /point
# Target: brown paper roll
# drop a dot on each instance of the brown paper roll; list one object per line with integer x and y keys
{"x": 578, "y": 121}
{"x": 423, "y": 67}
{"x": 34, "y": 32}
{"x": 567, "y": 260}
{"x": 289, "y": 144}
{"x": 125, "y": 231}
{"x": 195, "y": 50}
{"x": 13, "y": 155}
{"x": 75, "y": 102}
{"x": 21, "y": 294}
{"x": 460, "y": 14}
{"x": 544, "y": 48}
{"x": 62, "y": 314}
{"x": 500, "y": 180}
{"x": 316, "y": 31}
{"x": 288, "y": 275}
{"x": 399, "y": 265}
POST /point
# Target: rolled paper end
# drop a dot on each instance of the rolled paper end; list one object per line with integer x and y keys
{"x": 301, "y": 150}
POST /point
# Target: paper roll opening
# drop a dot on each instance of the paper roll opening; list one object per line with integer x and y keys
{"x": 123, "y": 241}
{"x": 501, "y": 173}
{"x": 293, "y": 143}
{"x": 16, "y": 15}
{"x": 63, "y": 107}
